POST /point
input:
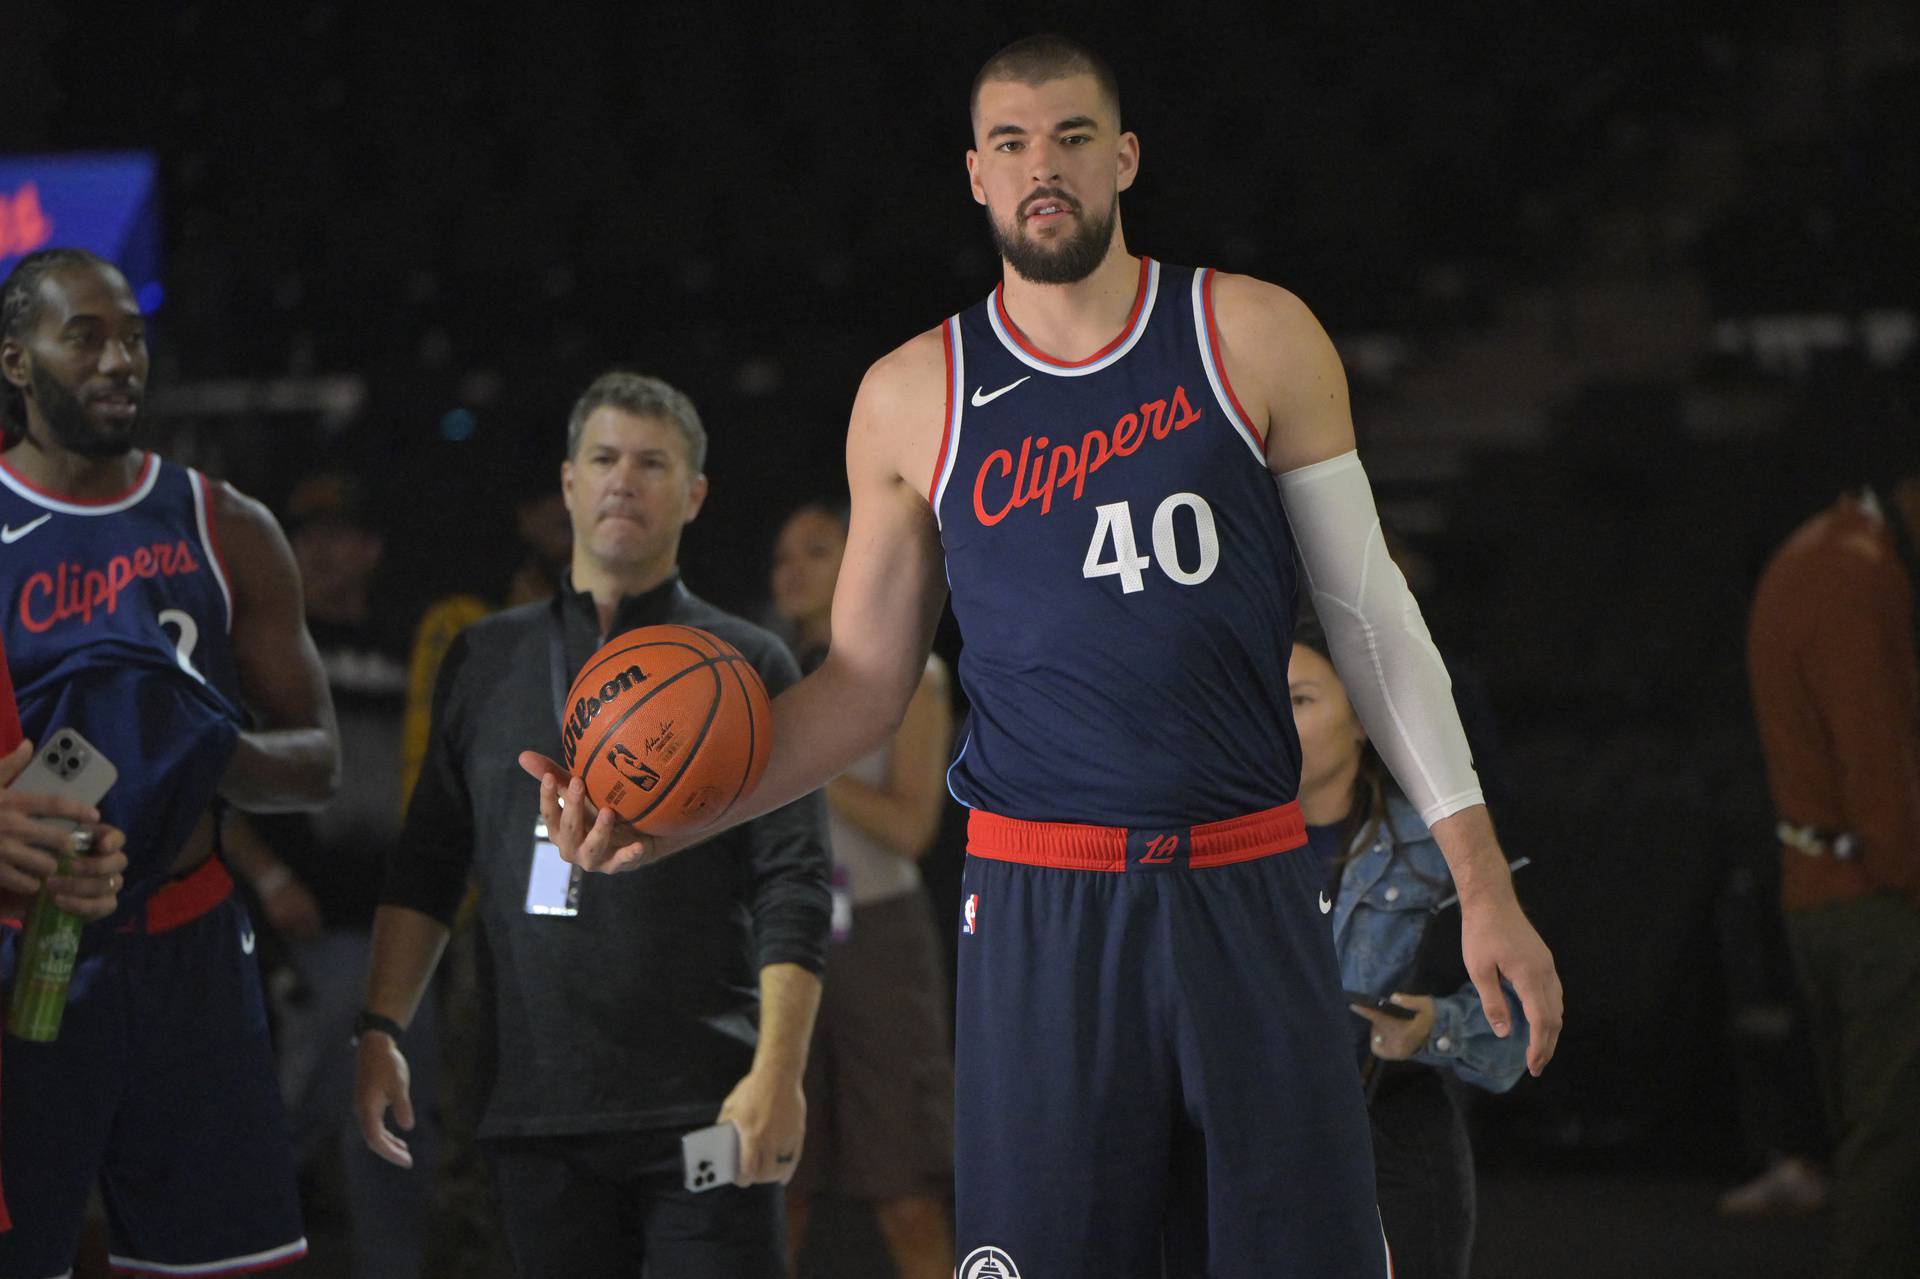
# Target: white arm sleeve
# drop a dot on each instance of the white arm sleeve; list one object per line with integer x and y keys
{"x": 1393, "y": 673}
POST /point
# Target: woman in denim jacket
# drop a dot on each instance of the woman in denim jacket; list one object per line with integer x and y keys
{"x": 1386, "y": 881}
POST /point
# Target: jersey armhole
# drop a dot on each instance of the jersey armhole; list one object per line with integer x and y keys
{"x": 950, "y": 429}
{"x": 1209, "y": 334}
{"x": 209, "y": 539}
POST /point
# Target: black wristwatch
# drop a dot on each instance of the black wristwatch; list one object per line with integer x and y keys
{"x": 367, "y": 1021}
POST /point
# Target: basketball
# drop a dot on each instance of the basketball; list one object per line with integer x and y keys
{"x": 667, "y": 726}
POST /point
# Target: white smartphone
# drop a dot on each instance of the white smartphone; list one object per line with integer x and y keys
{"x": 712, "y": 1156}
{"x": 67, "y": 765}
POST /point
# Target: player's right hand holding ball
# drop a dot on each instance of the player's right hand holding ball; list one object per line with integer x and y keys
{"x": 591, "y": 838}
{"x": 31, "y": 842}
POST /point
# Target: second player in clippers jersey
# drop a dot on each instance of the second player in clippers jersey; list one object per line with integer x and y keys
{"x": 116, "y": 616}
{"x": 1122, "y": 571}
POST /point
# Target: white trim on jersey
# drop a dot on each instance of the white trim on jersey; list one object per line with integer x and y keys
{"x": 957, "y": 757}
{"x": 149, "y": 476}
{"x": 231, "y": 1266}
{"x": 1107, "y": 361}
{"x": 956, "y": 396}
{"x": 1215, "y": 379}
{"x": 201, "y": 503}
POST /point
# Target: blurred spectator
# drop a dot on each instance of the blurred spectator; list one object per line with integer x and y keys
{"x": 624, "y": 1012}
{"x": 466, "y": 1238}
{"x": 1836, "y": 693}
{"x": 546, "y": 534}
{"x": 880, "y": 1077}
{"x": 1772, "y": 1055}
{"x": 1387, "y": 881}
{"x": 318, "y": 876}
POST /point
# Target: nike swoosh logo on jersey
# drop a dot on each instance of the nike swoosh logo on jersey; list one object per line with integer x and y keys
{"x": 981, "y": 398}
{"x": 9, "y": 535}
{"x": 1326, "y": 907}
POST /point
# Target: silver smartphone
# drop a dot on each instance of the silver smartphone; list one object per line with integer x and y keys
{"x": 712, "y": 1156}
{"x": 68, "y": 766}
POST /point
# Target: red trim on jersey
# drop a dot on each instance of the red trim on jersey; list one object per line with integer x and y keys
{"x": 146, "y": 468}
{"x": 1072, "y": 846}
{"x": 213, "y": 545}
{"x": 946, "y": 428}
{"x": 213, "y": 529}
{"x": 9, "y": 710}
{"x": 1220, "y": 365}
{"x": 1126, "y": 330}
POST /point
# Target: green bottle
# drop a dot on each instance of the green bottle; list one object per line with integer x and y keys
{"x": 48, "y": 948}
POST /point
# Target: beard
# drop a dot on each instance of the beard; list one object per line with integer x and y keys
{"x": 73, "y": 428}
{"x": 1067, "y": 262}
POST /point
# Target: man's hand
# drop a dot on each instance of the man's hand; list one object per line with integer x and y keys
{"x": 292, "y": 910}
{"x": 590, "y": 838}
{"x": 381, "y": 1080}
{"x": 91, "y": 886}
{"x": 32, "y": 840}
{"x": 770, "y": 1110}
{"x": 1497, "y": 941}
{"x": 1395, "y": 1038}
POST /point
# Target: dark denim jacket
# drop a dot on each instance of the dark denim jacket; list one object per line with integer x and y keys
{"x": 1378, "y": 920}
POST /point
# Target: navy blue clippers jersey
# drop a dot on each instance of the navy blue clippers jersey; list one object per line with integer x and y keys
{"x": 1122, "y": 570}
{"x": 116, "y": 619}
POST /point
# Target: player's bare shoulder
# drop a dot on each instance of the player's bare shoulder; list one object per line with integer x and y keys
{"x": 1284, "y": 368}
{"x": 251, "y": 543}
{"x": 900, "y": 413}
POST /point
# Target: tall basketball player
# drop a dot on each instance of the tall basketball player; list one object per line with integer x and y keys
{"x": 1117, "y": 460}
{"x": 158, "y": 613}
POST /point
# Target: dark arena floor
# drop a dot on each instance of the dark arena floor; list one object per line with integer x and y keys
{"x": 1547, "y": 1225}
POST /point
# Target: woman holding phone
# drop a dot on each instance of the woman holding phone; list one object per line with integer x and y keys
{"x": 1387, "y": 884}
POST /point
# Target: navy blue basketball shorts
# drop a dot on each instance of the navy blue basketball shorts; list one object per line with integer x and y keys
{"x": 1154, "y": 1070}
{"x": 161, "y": 1087}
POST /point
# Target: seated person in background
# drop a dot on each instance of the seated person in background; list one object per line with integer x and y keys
{"x": 880, "y": 1078}
{"x": 1386, "y": 877}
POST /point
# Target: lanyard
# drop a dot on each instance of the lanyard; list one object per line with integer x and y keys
{"x": 557, "y": 659}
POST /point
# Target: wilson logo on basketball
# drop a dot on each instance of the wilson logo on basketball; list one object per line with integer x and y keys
{"x": 586, "y": 709}
{"x": 74, "y": 590}
{"x": 1045, "y": 468}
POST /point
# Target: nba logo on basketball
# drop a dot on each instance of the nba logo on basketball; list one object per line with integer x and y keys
{"x": 972, "y": 910}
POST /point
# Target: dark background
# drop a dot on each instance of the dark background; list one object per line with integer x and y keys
{"x": 1624, "y": 290}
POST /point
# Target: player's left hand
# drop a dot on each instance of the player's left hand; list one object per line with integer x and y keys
{"x": 1396, "y": 1039}
{"x": 770, "y": 1110}
{"x": 1497, "y": 941}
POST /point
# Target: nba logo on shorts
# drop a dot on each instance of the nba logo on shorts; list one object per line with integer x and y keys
{"x": 988, "y": 1263}
{"x": 970, "y": 912}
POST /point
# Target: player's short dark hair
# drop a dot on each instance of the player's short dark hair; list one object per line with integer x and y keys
{"x": 20, "y": 311}
{"x": 1037, "y": 59}
{"x": 642, "y": 396}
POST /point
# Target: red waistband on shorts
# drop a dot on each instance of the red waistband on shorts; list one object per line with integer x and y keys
{"x": 1072, "y": 846}
{"x": 185, "y": 899}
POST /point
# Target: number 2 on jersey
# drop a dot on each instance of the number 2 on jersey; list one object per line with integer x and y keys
{"x": 1113, "y": 523}
{"x": 189, "y": 638}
